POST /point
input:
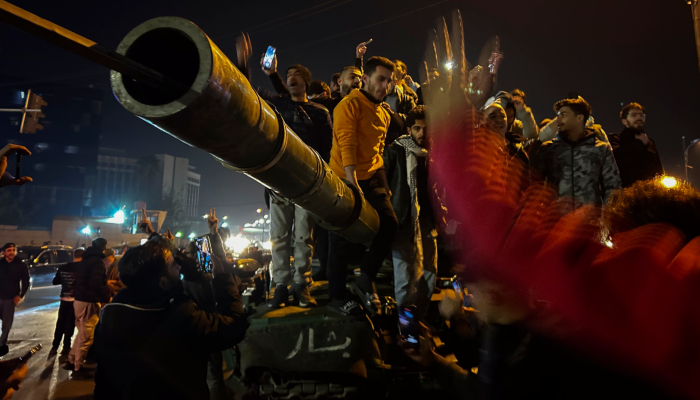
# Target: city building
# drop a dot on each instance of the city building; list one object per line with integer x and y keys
{"x": 161, "y": 180}
{"x": 63, "y": 163}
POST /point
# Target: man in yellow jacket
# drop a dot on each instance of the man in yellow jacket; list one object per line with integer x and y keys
{"x": 360, "y": 123}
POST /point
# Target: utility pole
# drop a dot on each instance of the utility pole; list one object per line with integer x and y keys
{"x": 695, "y": 8}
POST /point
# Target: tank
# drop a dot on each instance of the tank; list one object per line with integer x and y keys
{"x": 291, "y": 352}
{"x": 217, "y": 110}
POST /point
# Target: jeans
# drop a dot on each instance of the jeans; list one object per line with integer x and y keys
{"x": 289, "y": 220}
{"x": 65, "y": 325}
{"x": 86, "y": 317}
{"x": 340, "y": 249}
{"x": 7, "y": 315}
{"x": 415, "y": 266}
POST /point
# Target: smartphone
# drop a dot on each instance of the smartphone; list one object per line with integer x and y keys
{"x": 18, "y": 169}
{"x": 269, "y": 55}
{"x": 457, "y": 286}
{"x": 408, "y": 326}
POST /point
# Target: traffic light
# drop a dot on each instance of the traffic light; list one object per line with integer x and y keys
{"x": 30, "y": 119}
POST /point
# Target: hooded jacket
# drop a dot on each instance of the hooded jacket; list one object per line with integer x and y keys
{"x": 635, "y": 160}
{"x": 159, "y": 349}
{"x": 90, "y": 283}
{"x": 584, "y": 170}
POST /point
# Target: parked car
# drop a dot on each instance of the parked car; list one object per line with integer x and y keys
{"x": 43, "y": 266}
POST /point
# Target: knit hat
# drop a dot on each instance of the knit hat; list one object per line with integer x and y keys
{"x": 305, "y": 73}
{"x": 8, "y": 246}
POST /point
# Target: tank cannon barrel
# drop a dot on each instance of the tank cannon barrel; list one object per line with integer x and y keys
{"x": 219, "y": 112}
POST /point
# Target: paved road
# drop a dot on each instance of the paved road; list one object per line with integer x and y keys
{"x": 34, "y": 323}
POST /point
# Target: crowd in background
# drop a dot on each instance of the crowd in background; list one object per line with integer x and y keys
{"x": 158, "y": 323}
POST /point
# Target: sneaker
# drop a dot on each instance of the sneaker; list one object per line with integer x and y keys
{"x": 4, "y": 350}
{"x": 53, "y": 352}
{"x": 346, "y": 307}
{"x": 302, "y": 295}
{"x": 69, "y": 366}
{"x": 81, "y": 375}
{"x": 370, "y": 301}
{"x": 281, "y": 297}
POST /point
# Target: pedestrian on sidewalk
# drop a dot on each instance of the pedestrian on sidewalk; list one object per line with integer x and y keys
{"x": 65, "y": 325}
{"x": 13, "y": 272}
{"x": 91, "y": 293}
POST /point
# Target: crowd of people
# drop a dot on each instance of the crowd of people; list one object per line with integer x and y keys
{"x": 157, "y": 335}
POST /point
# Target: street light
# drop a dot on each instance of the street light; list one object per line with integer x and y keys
{"x": 179, "y": 234}
{"x": 259, "y": 210}
{"x": 192, "y": 235}
{"x": 86, "y": 230}
{"x": 685, "y": 154}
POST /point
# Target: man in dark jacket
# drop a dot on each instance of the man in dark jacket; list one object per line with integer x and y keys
{"x": 414, "y": 250}
{"x": 12, "y": 272}
{"x": 65, "y": 324}
{"x": 91, "y": 293}
{"x": 400, "y": 104}
{"x": 312, "y": 123}
{"x": 577, "y": 162}
{"x": 635, "y": 153}
{"x": 153, "y": 341}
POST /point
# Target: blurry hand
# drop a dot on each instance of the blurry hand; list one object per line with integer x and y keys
{"x": 244, "y": 50}
{"x": 169, "y": 235}
{"x": 213, "y": 222}
{"x": 407, "y": 79}
{"x": 360, "y": 50}
{"x": 451, "y": 304}
{"x": 145, "y": 223}
{"x": 425, "y": 354}
{"x": 643, "y": 137}
{"x": 17, "y": 300}
{"x": 518, "y": 103}
{"x": 6, "y": 179}
{"x": 14, "y": 378}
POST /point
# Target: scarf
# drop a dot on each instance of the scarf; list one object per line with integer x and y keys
{"x": 413, "y": 151}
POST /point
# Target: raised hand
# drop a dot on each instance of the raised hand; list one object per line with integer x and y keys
{"x": 145, "y": 223}
{"x": 360, "y": 50}
{"x": 6, "y": 179}
{"x": 213, "y": 222}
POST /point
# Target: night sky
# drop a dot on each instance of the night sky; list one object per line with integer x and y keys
{"x": 610, "y": 51}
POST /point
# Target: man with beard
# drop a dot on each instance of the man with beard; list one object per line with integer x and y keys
{"x": 360, "y": 123}
{"x": 350, "y": 79}
{"x": 400, "y": 104}
{"x": 414, "y": 249}
{"x": 14, "y": 284}
{"x": 577, "y": 161}
{"x": 153, "y": 341}
{"x": 635, "y": 153}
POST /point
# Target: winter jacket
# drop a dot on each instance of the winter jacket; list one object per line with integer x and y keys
{"x": 584, "y": 170}
{"x": 310, "y": 121}
{"x": 65, "y": 276}
{"x": 90, "y": 283}
{"x": 636, "y": 161}
{"x": 11, "y": 275}
{"x": 159, "y": 349}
